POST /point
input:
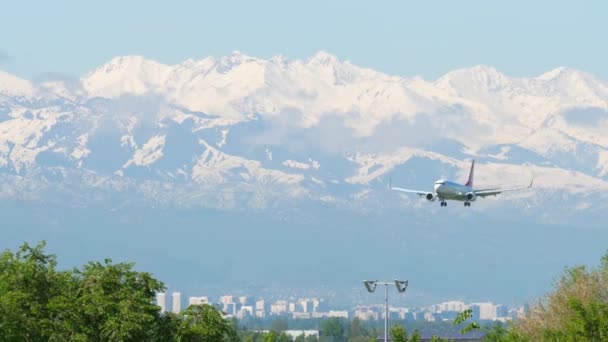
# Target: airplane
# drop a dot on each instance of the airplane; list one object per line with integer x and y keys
{"x": 449, "y": 190}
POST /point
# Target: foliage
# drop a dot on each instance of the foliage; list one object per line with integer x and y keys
{"x": 499, "y": 333}
{"x": 28, "y": 284}
{"x": 356, "y": 330}
{"x": 102, "y": 301}
{"x": 113, "y": 302}
{"x": 415, "y": 336}
{"x": 463, "y": 317}
{"x": 204, "y": 323}
{"x": 398, "y": 334}
{"x": 333, "y": 327}
{"x": 106, "y": 301}
{"x": 576, "y": 310}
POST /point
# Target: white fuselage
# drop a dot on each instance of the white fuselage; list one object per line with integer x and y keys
{"x": 448, "y": 190}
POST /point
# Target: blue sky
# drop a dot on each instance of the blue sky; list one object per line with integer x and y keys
{"x": 407, "y": 38}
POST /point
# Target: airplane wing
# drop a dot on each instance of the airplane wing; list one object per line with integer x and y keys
{"x": 494, "y": 192}
{"x": 417, "y": 192}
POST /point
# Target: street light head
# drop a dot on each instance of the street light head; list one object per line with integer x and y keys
{"x": 370, "y": 285}
{"x": 401, "y": 285}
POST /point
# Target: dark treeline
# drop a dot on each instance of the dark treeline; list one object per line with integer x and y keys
{"x": 106, "y": 301}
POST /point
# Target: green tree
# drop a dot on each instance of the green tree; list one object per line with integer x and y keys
{"x": 204, "y": 323}
{"x": 273, "y": 336}
{"x": 357, "y": 330}
{"x": 576, "y": 309}
{"x": 499, "y": 333}
{"x": 398, "y": 333}
{"x": 333, "y": 327}
{"x": 416, "y": 337}
{"x": 115, "y": 303}
{"x": 28, "y": 283}
{"x": 168, "y": 326}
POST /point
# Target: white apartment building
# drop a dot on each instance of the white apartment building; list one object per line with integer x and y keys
{"x": 198, "y": 300}
{"x": 454, "y": 306}
{"x": 177, "y": 302}
{"x": 225, "y": 300}
{"x": 485, "y": 311}
{"x": 161, "y": 301}
{"x": 279, "y": 307}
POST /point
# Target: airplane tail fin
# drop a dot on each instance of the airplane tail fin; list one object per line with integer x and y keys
{"x": 470, "y": 181}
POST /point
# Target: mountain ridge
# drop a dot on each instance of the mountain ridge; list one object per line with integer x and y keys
{"x": 320, "y": 129}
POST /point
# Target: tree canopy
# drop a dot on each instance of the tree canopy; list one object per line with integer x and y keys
{"x": 101, "y": 301}
{"x": 107, "y": 301}
{"x": 576, "y": 309}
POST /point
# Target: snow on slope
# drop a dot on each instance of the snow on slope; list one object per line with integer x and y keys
{"x": 360, "y": 124}
{"x": 15, "y": 87}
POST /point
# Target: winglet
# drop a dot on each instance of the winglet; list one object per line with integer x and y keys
{"x": 531, "y": 182}
{"x": 470, "y": 181}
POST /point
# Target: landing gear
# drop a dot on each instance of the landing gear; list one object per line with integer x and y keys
{"x": 443, "y": 203}
{"x": 467, "y": 204}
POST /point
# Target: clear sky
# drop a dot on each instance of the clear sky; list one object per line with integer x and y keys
{"x": 407, "y": 38}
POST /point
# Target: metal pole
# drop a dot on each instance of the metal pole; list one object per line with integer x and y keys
{"x": 386, "y": 312}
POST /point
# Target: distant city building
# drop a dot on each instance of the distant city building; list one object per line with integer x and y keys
{"x": 161, "y": 301}
{"x": 230, "y": 309}
{"x": 301, "y": 315}
{"x": 177, "y": 302}
{"x": 365, "y": 313}
{"x": 198, "y": 300}
{"x": 225, "y": 300}
{"x": 502, "y": 311}
{"x": 245, "y": 300}
{"x": 309, "y": 308}
{"x": 306, "y": 305}
{"x": 279, "y": 307}
{"x": 331, "y": 313}
{"x": 484, "y": 311}
{"x": 452, "y": 306}
{"x": 244, "y": 311}
{"x": 261, "y": 308}
{"x": 297, "y": 333}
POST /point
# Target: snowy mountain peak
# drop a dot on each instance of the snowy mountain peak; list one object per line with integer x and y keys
{"x": 562, "y": 72}
{"x": 123, "y": 63}
{"x": 581, "y": 87}
{"x": 126, "y": 74}
{"x": 479, "y": 77}
{"x": 11, "y": 85}
{"x": 323, "y": 58}
{"x": 227, "y": 63}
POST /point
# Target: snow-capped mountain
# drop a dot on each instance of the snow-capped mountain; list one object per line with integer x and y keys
{"x": 239, "y": 129}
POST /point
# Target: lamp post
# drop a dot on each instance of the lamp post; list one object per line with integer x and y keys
{"x": 401, "y": 286}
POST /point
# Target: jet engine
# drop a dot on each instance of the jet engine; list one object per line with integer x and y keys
{"x": 430, "y": 197}
{"x": 470, "y": 196}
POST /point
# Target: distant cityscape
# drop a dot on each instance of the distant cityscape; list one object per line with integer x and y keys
{"x": 243, "y": 307}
